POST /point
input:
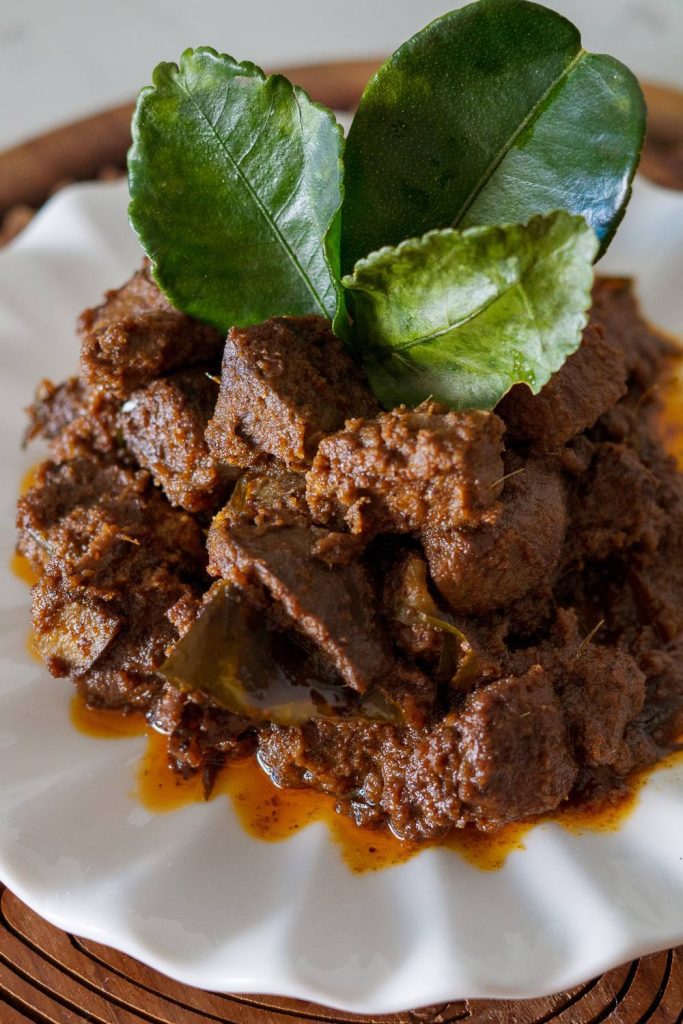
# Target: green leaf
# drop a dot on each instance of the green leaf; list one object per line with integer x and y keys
{"x": 236, "y": 183}
{"x": 489, "y": 115}
{"x": 461, "y": 316}
{"x": 230, "y": 654}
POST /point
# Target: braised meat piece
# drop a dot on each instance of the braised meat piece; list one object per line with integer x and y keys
{"x": 406, "y": 470}
{"x": 201, "y": 736}
{"x": 137, "y": 335}
{"x": 284, "y": 385}
{"x": 602, "y": 691}
{"x": 342, "y": 757}
{"x": 264, "y": 543}
{"x": 654, "y": 584}
{"x": 514, "y": 552}
{"x": 565, "y": 406}
{"x": 601, "y": 688}
{"x": 615, "y": 308}
{"x": 72, "y": 629}
{"x": 110, "y": 646}
{"x": 75, "y": 506}
{"x": 515, "y": 754}
{"x": 75, "y": 420}
{"x": 661, "y": 716}
{"x": 163, "y": 426}
{"x": 335, "y": 609}
{"x": 604, "y": 522}
{"x": 618, "y": 348}
{"x": 121, "y": 571}
{"x": 420, "y": 794}
{"x": 266, "y": 499}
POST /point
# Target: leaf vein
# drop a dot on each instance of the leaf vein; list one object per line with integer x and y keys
{"x": 505, "y": 149}
{"x": 258, "y": 202}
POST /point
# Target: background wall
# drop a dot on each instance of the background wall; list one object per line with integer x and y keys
{"x": 63, "y": 59}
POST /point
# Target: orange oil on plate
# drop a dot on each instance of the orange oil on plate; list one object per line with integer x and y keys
{"x": 105, "y": 725}
{"x": 22, "y": 569}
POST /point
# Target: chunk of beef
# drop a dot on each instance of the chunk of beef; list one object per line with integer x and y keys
{"x": 284, "y": 385}
{"x": 72, "y": 629}
{"x": 334, "y": 608}
{"x": 163, "y": 426}
{"x": 601, "y": 688}
{"x": 602, "y": 691}
{"x": 137, "y": 335}
{"x": 515, "y": 756}
{"x": 110, "y": 646}
{"x": 616, "y": 506}
{"x": 83, "y": 509}
{"x": 488, "y": 566}
{"x": 615, "y": 307}
{"x": 122, "y": 571}
{"x": 75, "y": 420}
{"x": 378, "y": 773}
{"x": 655, "y": 586}
{"x": 341, "y": 758}
{"x": 662, "y": 713}
{"x": 407, "y": 470}
{"x": 266, "y": 499}
{"x": 591, "y": 380}
{"x": 264, "y": 544}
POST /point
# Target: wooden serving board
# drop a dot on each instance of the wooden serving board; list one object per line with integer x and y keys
{"x": 50, "y": 977}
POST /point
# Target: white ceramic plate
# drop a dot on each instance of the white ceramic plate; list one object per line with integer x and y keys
{"x": 190, "y": 893}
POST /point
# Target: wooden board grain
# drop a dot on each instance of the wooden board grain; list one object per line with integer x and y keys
{"x": 50, "y": 977}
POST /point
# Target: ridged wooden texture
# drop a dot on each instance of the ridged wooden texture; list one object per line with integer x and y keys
{"x": 50, "y": 977}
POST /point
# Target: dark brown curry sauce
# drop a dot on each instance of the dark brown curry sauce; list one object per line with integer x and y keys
{"x": 272, "y": 814}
